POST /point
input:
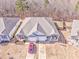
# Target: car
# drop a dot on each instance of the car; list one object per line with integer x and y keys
{"x": 32, "y": 48}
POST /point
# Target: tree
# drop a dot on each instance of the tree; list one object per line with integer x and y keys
{"x": 77, "y": 6}
{"x": 46, "y": 2}
{"x": 21, "y": 8}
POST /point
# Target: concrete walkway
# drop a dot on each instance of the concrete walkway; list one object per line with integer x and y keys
{"x": 42, "y": 51}
{"x": 30, "y": 56}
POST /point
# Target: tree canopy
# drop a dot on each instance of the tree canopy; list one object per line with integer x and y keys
{"x": 46, "y": 2}
{"x": 77, "y": 6}
{"x": 21, "y": 7}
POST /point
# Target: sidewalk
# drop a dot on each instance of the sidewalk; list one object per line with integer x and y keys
{"x": 42, "y": 51}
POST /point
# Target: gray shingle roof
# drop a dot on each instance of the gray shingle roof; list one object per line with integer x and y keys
{"x": 39, "y": 28}
{"x": 9, "y": 23}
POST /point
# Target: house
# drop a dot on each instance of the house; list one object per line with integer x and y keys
{"x": 75, "y": 32}
{"x": 38, "y": 29}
